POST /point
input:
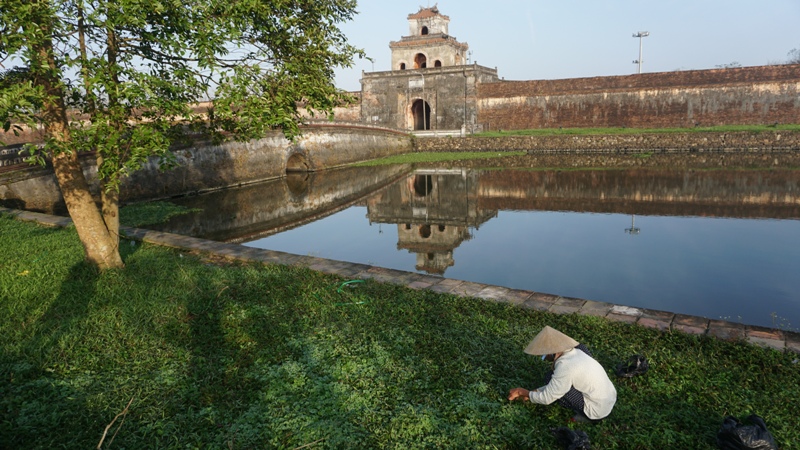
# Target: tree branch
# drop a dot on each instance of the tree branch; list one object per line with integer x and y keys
{"x": 123, "y": 413}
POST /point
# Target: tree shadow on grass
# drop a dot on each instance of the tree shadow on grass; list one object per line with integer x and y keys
{"x": 429, "y": 371}
{"x": 264, "y": 358}
{"x": 40, "y": 402}
{"x": 344, "y": 370}
{"x": 57, "y": 372}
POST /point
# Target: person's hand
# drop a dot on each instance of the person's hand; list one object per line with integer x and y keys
{"x": 518, "y": 394}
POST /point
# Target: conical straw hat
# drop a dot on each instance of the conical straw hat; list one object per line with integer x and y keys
{"x": 550, "y": 341}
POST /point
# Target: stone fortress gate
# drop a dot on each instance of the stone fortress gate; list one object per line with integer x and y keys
{"x": 432, "y": 89}
{"x": 430, "y": 86}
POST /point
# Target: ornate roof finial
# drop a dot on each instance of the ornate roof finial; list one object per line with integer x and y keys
{"x": 434, "y": 9}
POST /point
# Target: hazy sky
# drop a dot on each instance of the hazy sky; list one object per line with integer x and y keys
{"x": 553, "y": 39}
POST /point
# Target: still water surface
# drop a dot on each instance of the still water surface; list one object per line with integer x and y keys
{"x": 715, "y": 244}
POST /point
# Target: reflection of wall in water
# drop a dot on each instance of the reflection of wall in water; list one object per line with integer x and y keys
{"x": 263, "y": 209}
{"x": 434, "y": 211}
{"x": 738, "y": 193}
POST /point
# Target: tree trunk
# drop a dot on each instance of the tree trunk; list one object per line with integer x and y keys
{"x": 100, "y": 247}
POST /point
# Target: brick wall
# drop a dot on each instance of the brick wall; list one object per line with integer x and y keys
{"x": 749, "y": 95}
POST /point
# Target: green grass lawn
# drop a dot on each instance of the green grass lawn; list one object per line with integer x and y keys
{"x": 254, "y": 356}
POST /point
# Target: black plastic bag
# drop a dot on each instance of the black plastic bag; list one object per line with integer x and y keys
{"x": 572, "y": 439}
{"x": 733, "y": 435}
{"x": 636, "y": 365}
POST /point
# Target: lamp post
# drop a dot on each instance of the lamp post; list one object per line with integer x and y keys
{"x": 640, "y": 35}
{"x": 464, "y": 127}
{"x": 633, "y": 229}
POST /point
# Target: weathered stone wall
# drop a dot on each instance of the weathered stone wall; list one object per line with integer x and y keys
{"x": 749, "y": 95}
{"x": 346, "y": 113}
{"x": 778, "y": 150}
{"x": 449, "y": 91}
{"x": 206, "y": 166}
{"x": 447, "y": 51}
{"x": 24, "y": 135}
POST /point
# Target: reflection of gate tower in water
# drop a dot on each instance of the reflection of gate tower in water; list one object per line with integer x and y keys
{"x": 434, "y": 211}
{"x": 430, "y": 86}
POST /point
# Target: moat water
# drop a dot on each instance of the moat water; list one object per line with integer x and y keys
{"x": 718, "y": 244}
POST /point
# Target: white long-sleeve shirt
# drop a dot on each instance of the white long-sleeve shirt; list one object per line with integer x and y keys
{"x": 577, "y": 369}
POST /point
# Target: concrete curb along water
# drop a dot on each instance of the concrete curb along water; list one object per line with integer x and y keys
{"x": 661, "y": 320}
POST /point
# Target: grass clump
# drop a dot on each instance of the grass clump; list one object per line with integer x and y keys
{"x": 269, "y": 356}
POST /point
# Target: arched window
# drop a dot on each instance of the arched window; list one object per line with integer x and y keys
{"x": 402, "y": 66}
{"x": 424, "y": 31}
{"x": 420, "y": 61}
{"x": 425, "y": 231}
{"x": 437, "y": 63}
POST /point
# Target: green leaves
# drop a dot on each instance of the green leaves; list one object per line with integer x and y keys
{"x": 120, "y": 77}
{"x": 128, "y": 65}
{"x": 19, "y": 100}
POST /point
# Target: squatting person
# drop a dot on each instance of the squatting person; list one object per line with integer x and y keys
{"x": 577, "y": 380}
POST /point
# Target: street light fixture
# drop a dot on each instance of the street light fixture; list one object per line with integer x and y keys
{"x": 640, "y": 35}
{"x": 633, "y": 229}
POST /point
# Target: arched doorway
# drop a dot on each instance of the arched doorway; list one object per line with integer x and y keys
{"x": 421, "y": 112}
{"x": 420, "y": 61}
{"x": 423, "y": 185}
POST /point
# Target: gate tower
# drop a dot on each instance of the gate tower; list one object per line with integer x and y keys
{"x": 430, "y": 85}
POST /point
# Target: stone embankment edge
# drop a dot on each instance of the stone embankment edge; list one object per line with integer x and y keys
{"x": 708, "y": 142}
{"x": 660, "y": 320}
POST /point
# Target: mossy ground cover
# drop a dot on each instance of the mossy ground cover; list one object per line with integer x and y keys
{"x": 252, "y": 356}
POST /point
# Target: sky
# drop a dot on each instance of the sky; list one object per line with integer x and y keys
{"x": 556, "y": 39}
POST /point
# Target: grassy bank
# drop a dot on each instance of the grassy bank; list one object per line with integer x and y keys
{"x": 250, "y": 356}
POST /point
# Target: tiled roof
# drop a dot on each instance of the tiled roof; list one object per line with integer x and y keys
{"x": 426, "y": 13}
{"x": 427, "y": 40}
